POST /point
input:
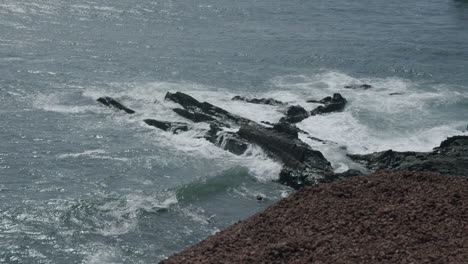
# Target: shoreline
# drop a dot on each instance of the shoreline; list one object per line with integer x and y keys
{"x": 385, "y": 217}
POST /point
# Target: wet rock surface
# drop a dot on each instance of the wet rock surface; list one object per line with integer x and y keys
{"x": 450, "y": 158}
{"x": 191, "y": 104}
{"x": 403, "y": 217}
{"x": 110, "y": 102}
{"x": 174, "y": 127}
{"x": 331, "y": 104}
{"x": 266, "y": 101}
{"x": 295, "y": 114}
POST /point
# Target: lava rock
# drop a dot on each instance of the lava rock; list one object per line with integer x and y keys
{"x": 110, "y": 102}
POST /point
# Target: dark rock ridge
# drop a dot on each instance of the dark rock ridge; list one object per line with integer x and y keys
{"x": 266, "y": 101}
{"x": 193, "y": 116}
{"x": 404, "y": 217}
{"x": 450, "y": 158}
{"x": 301, "y": 164}
{"x": 357, "y": 86}
{"x": 331, "y": 104}
{"x": 191, "y": 104}
{"x": 229, "y": 141}
{"x": 174, "y": 127}
{"x": 110, "y": 102}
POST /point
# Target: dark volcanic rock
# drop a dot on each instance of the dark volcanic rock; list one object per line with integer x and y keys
{"x": 191, "y": 104}
{"x": 232, "y": 142}
{"x": 450, "y": 158}
{"x": 174, "y": 127}
{"x": 226, "y": 140}
{"x": 266, "y": 101}
{"x": 295, "y": 114}
{"x": 336, "y": 103}
{"x": 362, "y": 86}
{"x": 405, "y": 217}
{"x": 110, "y": 102}
{"x": 302, "y": 164}
{"x": 194, "y": 116}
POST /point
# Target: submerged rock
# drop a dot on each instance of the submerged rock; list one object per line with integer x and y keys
{"x": 110, "y": 102}
{"x": 450, "y": 158}
{"x": 332, "y": 104}
{"x": 295, "y": 114}
{"x": 174, "y": 127}
{"x": 356, "y": 86}
{"x": 266, "y": 101}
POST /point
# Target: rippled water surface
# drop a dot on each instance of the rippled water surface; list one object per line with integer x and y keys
{"x": 81, "y": 183}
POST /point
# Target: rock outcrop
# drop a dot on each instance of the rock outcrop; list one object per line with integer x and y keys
{"x": 450, "y": 158}
{"x": 331, "y": 104}
{"x": 110, "y": 102}
{"x": 295, "y": 114}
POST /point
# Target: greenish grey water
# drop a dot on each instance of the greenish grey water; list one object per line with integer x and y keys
{"x": 80, "y": 183}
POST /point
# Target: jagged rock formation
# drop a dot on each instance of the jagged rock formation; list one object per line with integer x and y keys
{"x": 450, "y": 158}
{"x": 110, "y": 102}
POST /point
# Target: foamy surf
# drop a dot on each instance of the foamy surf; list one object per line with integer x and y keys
{"x": 373, "y": 120}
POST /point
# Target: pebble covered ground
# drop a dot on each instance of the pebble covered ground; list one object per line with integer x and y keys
{"x": 404, "y": 217}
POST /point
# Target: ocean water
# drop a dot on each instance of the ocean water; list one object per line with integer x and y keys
{"x": 81, "y": 183}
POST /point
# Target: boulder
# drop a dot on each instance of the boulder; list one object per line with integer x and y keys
{"x": 336, "y": 103}
{"x": 295, "y": 114}
{"x": 110, "y": 102}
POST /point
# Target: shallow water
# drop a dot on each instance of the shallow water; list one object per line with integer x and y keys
{"x": 80, "y": 183}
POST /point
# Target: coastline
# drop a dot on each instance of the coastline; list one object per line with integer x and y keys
{"x": 385, "y": 217}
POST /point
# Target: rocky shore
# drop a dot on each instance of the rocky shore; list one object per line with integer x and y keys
{"x": 401, "y": 217}
{"x": 413, "y": 211}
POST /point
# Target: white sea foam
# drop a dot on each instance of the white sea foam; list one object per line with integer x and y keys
{"x": 372, "y": 120}
{"x": 97, "y": 154}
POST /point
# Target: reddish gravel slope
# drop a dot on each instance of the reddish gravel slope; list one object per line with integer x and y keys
{"x": 405, "y": 217}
